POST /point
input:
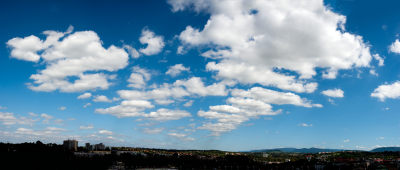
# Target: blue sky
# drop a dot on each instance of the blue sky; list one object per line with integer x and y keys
{"x": 228, "y": 75}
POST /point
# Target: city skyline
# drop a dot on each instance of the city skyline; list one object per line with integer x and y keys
{"x": 227, "y": 75}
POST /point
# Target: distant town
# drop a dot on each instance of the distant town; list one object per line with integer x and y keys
{"x": 70, "y": 155}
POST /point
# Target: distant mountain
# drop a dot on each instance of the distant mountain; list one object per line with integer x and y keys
{"x": 386, "y": 149}
{"x": 295, "y": 150}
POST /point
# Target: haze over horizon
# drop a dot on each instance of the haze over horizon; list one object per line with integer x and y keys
{"x": 202, "y": 74}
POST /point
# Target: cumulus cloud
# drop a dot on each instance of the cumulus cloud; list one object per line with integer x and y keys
{"x": 245, "y": 105}
{"x": 62, "y": 108}
{"x": 26, "y": 48}
{"x": 183, "y": 4}
{"x": 32, "y": 114}
{"x": 274, "y": 97}
{"x": 180, "y": 50}
{"x": 380, "y": 59}
{"x": 66, "y": 55}
{"x": 391, "y": 91}
{"x": 55, "y": 129}
{"x": 337, "y": 93}
{"x": 45, "y": 134}
{"x": 134, "y": 102}
{"x": 196, "y": 86}
{"x": 189, "y": 103}
{"x": 257, "y": 42}
{"x": 153, "y": 131}
{"x": 138, "y": 77}
{"x": 176, "y": 70}
{"x": 105, "y": 132}
{"x": 127, "y": 108}
{"x": 48, "y": 131}
{"x": 132, "y": 51}
{"x": 154, "y": 42}
{"x": 86, "y": 127}
{"x": 305, "y": 125}
{"x": 85, "y": 95}
{"x": 101, "y": 98}
{"x": 136, "y": 108}
{"x": 7, "y": 118}
{"x": 248, "y": 74}
{"x": 46, "y": 117}
{"x": 181, "y": 136}
{"x": 395, "y": 47}
{"x": 373, "y": 72}
{"x": 59, "y": 121}
{"x": 87, "y": 105}
{"x": 166, "y": 114}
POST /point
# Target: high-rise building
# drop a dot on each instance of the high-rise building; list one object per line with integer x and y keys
{"x": 71, "y": 145}
{"x": 88, "y": 146}
{"x": 99, "y": 147}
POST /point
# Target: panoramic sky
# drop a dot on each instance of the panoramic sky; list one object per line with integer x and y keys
{"x": 201, "y": 74}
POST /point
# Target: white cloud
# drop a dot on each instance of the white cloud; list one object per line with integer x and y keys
{"x": 274, "y": 97}
{"x": 218, "y": 128}
{"x": 163, "y": 94}
{"x": 46, "y": 118}
{"x": 227, "y": 118}
{"x": 3, "y": 108}
{"x": 180, "y": 50}
{"x": 87, "y": 105}
{"x": 46, "y": 135}
{"x": 196, "y": 86}
{"x": 166, "y": 114}
{"x": 138, "y": 77}
{"x": 85, "y": 95}
{"x": 346, "y": 140}
{"x": 32, "y": 114}
{"x": 55, "y": 129}
{"x": 7, "y": 118}
{"x": 154, "y": 43}
{"x": 176, "y": 70}
{"x": 24, "y": 131}
{"x": 181, "y": 136}
{"x": 178, "y": 5}
{"x": 248, "y": 74}
{"x": 132, "y": 51}
{"x": 62, "y": 108}
{"x": 101, "y": 98}
{"x": 153, "y": 131}
{"x": 48, "y": 131}
{"x": 189, "y": 103}
{"x": 380, "y": 59}
{"x": 86, "y": 127}
{"x": 105, "y": 132}
{"x": 305, "y": 125}
{"x": 59, "y": 121}
{"x": 72, "y": 57}
{"x": 254, "y": 42}
{"x": 395, "y": 47}
{"x": 373, "y": 72}
{"x": 246, "y": 105}
{"x": 333, "y": 93}
{"x": 26, "y": 48}
{"x": 127, "y": 108}
{"x": 391, "y": 91}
